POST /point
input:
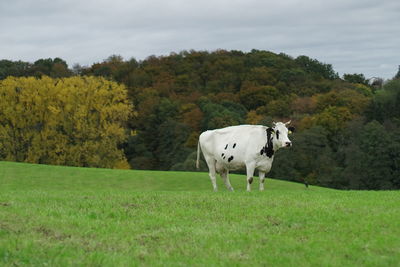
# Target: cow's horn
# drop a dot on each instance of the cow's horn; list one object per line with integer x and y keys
{"x": 288, "y": 122}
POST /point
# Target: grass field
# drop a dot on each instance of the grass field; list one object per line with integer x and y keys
{"x": 63, "y": 216}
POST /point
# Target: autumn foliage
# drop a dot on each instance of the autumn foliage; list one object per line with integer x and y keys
{"x": 76, "y": 121}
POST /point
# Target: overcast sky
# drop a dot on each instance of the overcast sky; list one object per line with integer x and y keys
{"x": 355, "y": 36}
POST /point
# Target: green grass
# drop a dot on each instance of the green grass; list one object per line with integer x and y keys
{"x": 62, "y": 216}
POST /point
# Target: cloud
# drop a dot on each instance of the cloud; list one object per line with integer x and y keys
{"x": 354, "y": 36}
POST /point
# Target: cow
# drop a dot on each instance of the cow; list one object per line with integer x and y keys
{"x": 234, "y": 147}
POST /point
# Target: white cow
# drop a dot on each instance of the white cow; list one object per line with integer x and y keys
{"x": 234, "y": 147}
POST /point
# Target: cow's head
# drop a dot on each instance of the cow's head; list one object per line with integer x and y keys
{"x": 279, "y": 134}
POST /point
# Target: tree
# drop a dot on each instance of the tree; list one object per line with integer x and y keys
{"x": 386, "y": 103}
{"x": 55, "y": 68}
{"x": 221, "y": 115}
{"x": 253, "y": 96}
{"x": 397, "y": 76}
{"x": 355, "y": 102}
{"x": 333, "y": 119}
{"x": 11, "y": 68}
{"x": 262, "y": 76}
{"x": 139, "y": 156}
{"x": 78, "y": 121}
{"x": 369, "y": 158}
{"x": 192, "y": 116}
{"x": 314, "y": 66}
{"x": 355, "y": 78}
{"x": 171, "y": 149}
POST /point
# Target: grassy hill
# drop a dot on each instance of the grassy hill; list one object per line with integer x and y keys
{"x": 63, "y": 216}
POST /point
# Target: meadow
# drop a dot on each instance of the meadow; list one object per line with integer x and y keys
{"x": 66, "y": 216}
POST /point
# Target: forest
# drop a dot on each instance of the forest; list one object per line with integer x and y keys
{"x": 148, "y": 114}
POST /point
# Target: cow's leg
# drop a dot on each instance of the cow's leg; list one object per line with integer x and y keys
{"x": 224, "y": 174}
{"x": 225, "y": 177}
{"x": 212, "y": 172}
{"x": 228, "y": 183}
{"x": 250, "y": 173}
{"x": 261, "y": 174}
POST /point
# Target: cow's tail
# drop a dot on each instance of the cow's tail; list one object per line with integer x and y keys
{"x": 198, "y": 155}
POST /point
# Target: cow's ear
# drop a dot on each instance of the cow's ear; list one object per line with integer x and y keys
{"x": 270, "y": 130}
{"x": 291, "y": 129}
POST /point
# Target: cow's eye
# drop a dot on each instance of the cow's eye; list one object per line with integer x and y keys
{"x": 277, "y": 134}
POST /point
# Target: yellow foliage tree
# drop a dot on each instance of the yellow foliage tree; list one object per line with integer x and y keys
{"x": 77, "y": 121}
{"x": 333, "y": 119}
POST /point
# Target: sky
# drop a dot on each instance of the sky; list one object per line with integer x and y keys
{"x": 354, "y": 36}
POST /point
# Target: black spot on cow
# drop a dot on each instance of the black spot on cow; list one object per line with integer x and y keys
{"x": 262, "y": 151}
{"x": 230, "y": 158}
{"x": 269, "y": 147}
{"x": 234, "y": 145}
{"x": 277, "y": 134}
{"x": 226, "y": 146}
{"x": 222, "y": 155}
{"x": 270, "y": 152}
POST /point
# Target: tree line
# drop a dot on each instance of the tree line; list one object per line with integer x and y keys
{"x": 348, "y": 130}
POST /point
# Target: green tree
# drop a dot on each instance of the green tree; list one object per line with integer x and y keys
{"x": 139, "y": 156}
{"x": 171, "y": 148}
{"x": 13, "y": 68}
{"x": 314, "y": 66}
{"x": 370, "y": 162}
{"x": 221, "y": 115}
{"x": 397, "y": 76}
{"x": 386, "y": 103}
{"x": 355, "y": 78}
{"x": 55, "y": 68}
